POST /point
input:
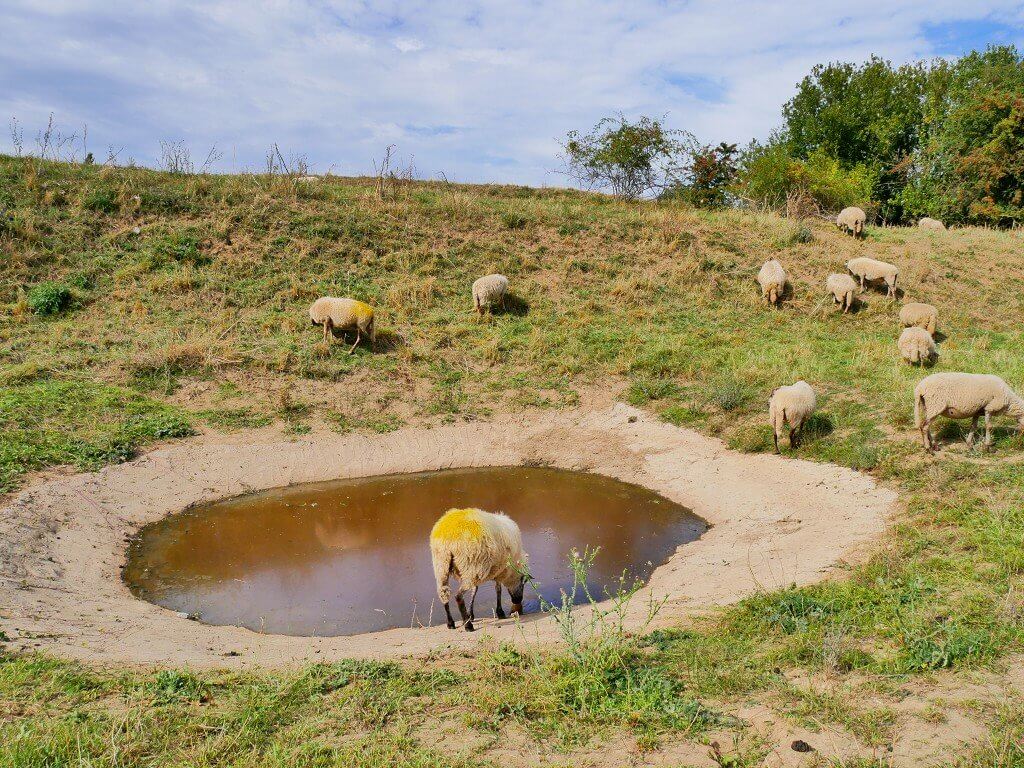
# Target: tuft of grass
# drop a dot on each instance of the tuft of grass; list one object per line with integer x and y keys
{"x": 49, "y": 298}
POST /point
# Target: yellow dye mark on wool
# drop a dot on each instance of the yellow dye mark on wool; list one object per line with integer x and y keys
{"x": 458, "y": 524}
{"x": 363, "y": 309}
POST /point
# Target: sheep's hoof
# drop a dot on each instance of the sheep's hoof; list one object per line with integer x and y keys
{"x": 469, "y": 626}
{"x": 451, "y": 625}
{"x": 500, "y": 614}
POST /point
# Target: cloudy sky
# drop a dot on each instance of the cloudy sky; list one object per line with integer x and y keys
{"x": 478, "y": 90}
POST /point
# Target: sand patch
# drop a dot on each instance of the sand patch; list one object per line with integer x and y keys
{"x": 775, "y": 521}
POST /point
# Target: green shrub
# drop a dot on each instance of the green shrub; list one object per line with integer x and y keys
{"x": 49, "y": 298}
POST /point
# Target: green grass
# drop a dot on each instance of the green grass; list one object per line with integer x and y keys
{"x": 654, "y": 303}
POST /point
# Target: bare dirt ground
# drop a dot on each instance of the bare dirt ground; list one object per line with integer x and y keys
{"x": 774, "y": 521}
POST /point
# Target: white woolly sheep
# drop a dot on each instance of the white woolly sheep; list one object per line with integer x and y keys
{"x": 922, "y": 315}
{"x": 932, "y": 225}
{"x": 488, "y": 291}
{"x": 842, "y": 288}
{"x": 793, "y": 404}
{"x": 852, "y": 220}
{"x": 916, "y": 345}
{"x": 964, "y": 396}
{"x": 871, "y": 269}
{"x": 475, "y": 547}
{"x": 344, "y": 315}
{"x": 772, "y": 278}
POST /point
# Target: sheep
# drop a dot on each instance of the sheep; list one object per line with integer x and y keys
{"x": 923, "y": 315}
{"x": 488, "y": 291}
{"x": 932, "y": 225}
{"x": 793, "y": 404}
{"x": 477, "y": 546}
{"x": 916, "y": 345}
{"x": 772, "y": 279}
{"x": 852, "y": 220}
{"x": 964, "y": 396}
{"x": 872, "y": 269}
{"x": 344, "y": 315}
{"x": 842, "y": 288}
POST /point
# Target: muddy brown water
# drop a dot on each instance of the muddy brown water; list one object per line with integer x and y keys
{"x": 352, "y": 556}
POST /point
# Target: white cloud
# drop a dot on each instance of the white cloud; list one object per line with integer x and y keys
{"x": 480, "y": 90}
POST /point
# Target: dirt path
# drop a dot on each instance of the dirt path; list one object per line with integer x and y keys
{"x": 775, "y": 521}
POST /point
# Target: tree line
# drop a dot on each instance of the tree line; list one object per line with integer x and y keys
{"x": 943, "y": 139}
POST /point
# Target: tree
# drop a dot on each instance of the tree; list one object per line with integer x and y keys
{"x": 711, "y": 172}
{"x": 631, "y": 159}
{"x": 868, "y": 115}
{"x": 971, "y": 164}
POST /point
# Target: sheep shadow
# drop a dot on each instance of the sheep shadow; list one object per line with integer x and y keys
{"x": 817, "y": 426}
{"x": 386, "y": 341}
{"x": 950, "y": 433}
{"x": 514, "y": 305}
{"x": 939, "y": 337}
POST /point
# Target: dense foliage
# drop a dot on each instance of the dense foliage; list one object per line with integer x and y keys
{"x": 944, "y": 139}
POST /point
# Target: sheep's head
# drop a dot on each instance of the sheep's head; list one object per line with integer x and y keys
{"x": 515, "y": 592}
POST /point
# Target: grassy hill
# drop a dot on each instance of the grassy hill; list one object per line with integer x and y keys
{"x": 140, "y": 306}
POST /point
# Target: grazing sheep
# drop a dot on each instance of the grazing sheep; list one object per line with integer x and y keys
{"x": 344, "y": 315}
{"x": 476, "y": 546}
{"x": 964, "y": 396}
{"x": 488, "y": 291}
{"x": 872, "y": 269}
{"x": 793, "y": 404}
{"x": 922, "y": 315}
{"x": 852, "y": 220}
{"x": 772, "y": 279}
{"x": 916, "y": 345}
{"x": 932, "y": 225}
{"x": 842, "y": 288}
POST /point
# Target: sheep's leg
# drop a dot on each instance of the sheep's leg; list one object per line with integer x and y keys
{"x": 358, "y": 337}
{"x": 499, "y": 611}
{"x": 988, "y": 429}
{"x": 448, "y": 613}
{"x": 472, "y": 603}
{"x": 467, "y": 622}
{"x": 794, "y": 440}
{"x": 503, "y": 302}
{"x": 973, "y": 434}
{"x": 327, "y": 329}
{"x": 926, "y": 435}
{"x": 775, "y": 435}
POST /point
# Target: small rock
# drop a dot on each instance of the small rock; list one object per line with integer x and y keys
{"x": 801, "y": 746}
{"x": 631, "y": 419}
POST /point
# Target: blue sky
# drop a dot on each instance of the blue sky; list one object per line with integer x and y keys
{"x": 479, "y": 91}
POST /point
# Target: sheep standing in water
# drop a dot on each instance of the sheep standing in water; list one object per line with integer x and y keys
{"x": 475, "y": 547}
{"x": 344, "y": 315}
{"x": 964, "y": 396}
{"x": 772, "y": 279}
{"x": 488, "y": 291}
{"x": 793, "y": 405}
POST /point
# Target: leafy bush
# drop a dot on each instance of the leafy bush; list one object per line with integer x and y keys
{"x": 630, "y": 159}
{"x": 49, "y": 298}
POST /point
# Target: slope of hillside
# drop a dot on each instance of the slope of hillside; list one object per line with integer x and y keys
{"x": 186, "y": 311}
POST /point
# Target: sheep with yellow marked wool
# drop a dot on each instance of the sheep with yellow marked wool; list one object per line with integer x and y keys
{"x": 344, "y": 315}
{"x": 475, "y": 547}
